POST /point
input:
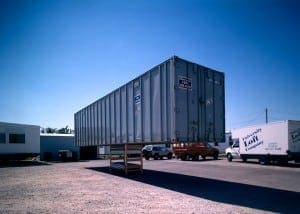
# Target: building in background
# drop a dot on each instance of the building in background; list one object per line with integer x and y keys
{"x": 52, "y": 144}
{"x": 19, "y": 141}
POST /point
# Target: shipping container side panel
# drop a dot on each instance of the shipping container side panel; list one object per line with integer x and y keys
{"x": 84, "y": 120}
{"x": 137, "y": 110}
{"x": 182, "y": 86}
{"x": 172, "y": 112}
{"x": 107, "y": 118}
{"x": 146, "y": 107}
{"x": 83, "y": 124}
{"x": 117, "y": 115}
{"x": 173, "y": 101}
{"x": 124, "y": 114}
{"x": 155, "y": 106}
{"x": 88, "y": 126}
{"x": 202, "y": 104}
{"x": 294, "y": 135}
{"x": 75, "y": 129}
{"x": 193, "y": 104}
{"x": 112, "y": 118}
{"x": 96, "y": 123}
{"x": 219, "y": 110}
{"x": 103, "y": 122}
{"x": 130, "y": 113}
{"x": 164, "y": 128}
{"x": 92, "y": 125}
{"x": 81, "y": 127}
{"x": 209, "y": 94}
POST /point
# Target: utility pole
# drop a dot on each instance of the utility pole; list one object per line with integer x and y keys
{"x": 266, "y": 115}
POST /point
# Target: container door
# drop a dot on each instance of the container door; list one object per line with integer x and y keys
{"x": 193, "y": 105}
{"x": 186, "y": 105}
{"x": 219, "y": 111}
{"x": 209, "y": 106}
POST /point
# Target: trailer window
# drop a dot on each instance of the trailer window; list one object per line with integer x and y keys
{"x": 2, "y": 138}
{"x": 16, "y": 138}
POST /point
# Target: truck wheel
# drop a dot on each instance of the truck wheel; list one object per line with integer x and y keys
{"x": 183, "y": 157}
{"x": 169, "y": 156}
{"x": 147, "y": 157}
{"x": 156, "y": 156}
{"x": 264, "y": 160}
{"x": 229, "y": 157}
{"x": 244, "y": 159}
{"x": 203, "y": 157}
{"x": 216, "y": 156}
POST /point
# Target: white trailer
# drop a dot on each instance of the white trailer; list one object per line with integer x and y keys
{"x": 278, "y": 141}
{"x": 18, "y": 141}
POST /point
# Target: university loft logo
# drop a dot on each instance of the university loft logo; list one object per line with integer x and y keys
{"x": 252, "y": 140}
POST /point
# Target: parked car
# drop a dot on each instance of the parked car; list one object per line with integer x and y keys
{"x": 186, "y": 151}
{"x": 156, "y": 152}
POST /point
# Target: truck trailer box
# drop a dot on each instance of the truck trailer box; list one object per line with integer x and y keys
{"x": 176, "y": 101}
{"x": 266, "y": 142}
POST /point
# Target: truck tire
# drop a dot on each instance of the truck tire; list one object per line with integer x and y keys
{"x": 216, "y": 156}
{"x": 156, "y": 156}
{"x": 244, "y": 159}
{"x": 195, "y": 157}
{"x": 229, "y": 157}
{"x": 183, "y": 157}
{"x": 203, "y": 157}
{"x": 169, "y": 156}
{"x": 264, "y": 160}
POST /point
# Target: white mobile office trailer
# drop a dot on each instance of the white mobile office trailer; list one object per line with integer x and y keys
{"x": 278, "y": 141}
{"x": 18, "y": 141}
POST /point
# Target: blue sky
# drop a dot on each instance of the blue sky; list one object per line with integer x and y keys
{"x": 56, "y": 57}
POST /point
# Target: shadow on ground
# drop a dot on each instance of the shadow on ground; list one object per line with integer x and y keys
{"x": 257, "y": 197}
{"x": 21, "y": 163}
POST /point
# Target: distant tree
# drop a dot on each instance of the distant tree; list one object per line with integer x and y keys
{"x": 65, "y": 130}
{"x": 42, "y": 130}
{"x": 50, "y": 130}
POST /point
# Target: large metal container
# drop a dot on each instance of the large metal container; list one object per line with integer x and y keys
{"x": 176, "y": 101}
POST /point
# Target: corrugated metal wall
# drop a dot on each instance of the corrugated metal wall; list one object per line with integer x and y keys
{"x": 175, "y": 101}
{"x": 54, "y": 143}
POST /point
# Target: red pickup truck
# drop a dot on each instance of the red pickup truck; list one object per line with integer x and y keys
{"x": 187, "y": 151}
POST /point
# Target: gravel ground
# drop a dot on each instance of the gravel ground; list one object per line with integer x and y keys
{"x": 88, "y": 187}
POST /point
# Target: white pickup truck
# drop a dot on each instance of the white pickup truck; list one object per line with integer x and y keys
{"x": 278, "y": 141}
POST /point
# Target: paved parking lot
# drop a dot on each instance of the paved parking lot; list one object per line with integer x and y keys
{"x": 166, "y": 186}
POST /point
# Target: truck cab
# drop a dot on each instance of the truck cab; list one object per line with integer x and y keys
{"x": 233, "y": 151}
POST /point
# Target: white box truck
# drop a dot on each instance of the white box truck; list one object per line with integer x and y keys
{"x": 278, "y": 141}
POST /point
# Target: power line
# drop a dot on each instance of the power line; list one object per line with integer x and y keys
{"x": 257, "y": 117}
